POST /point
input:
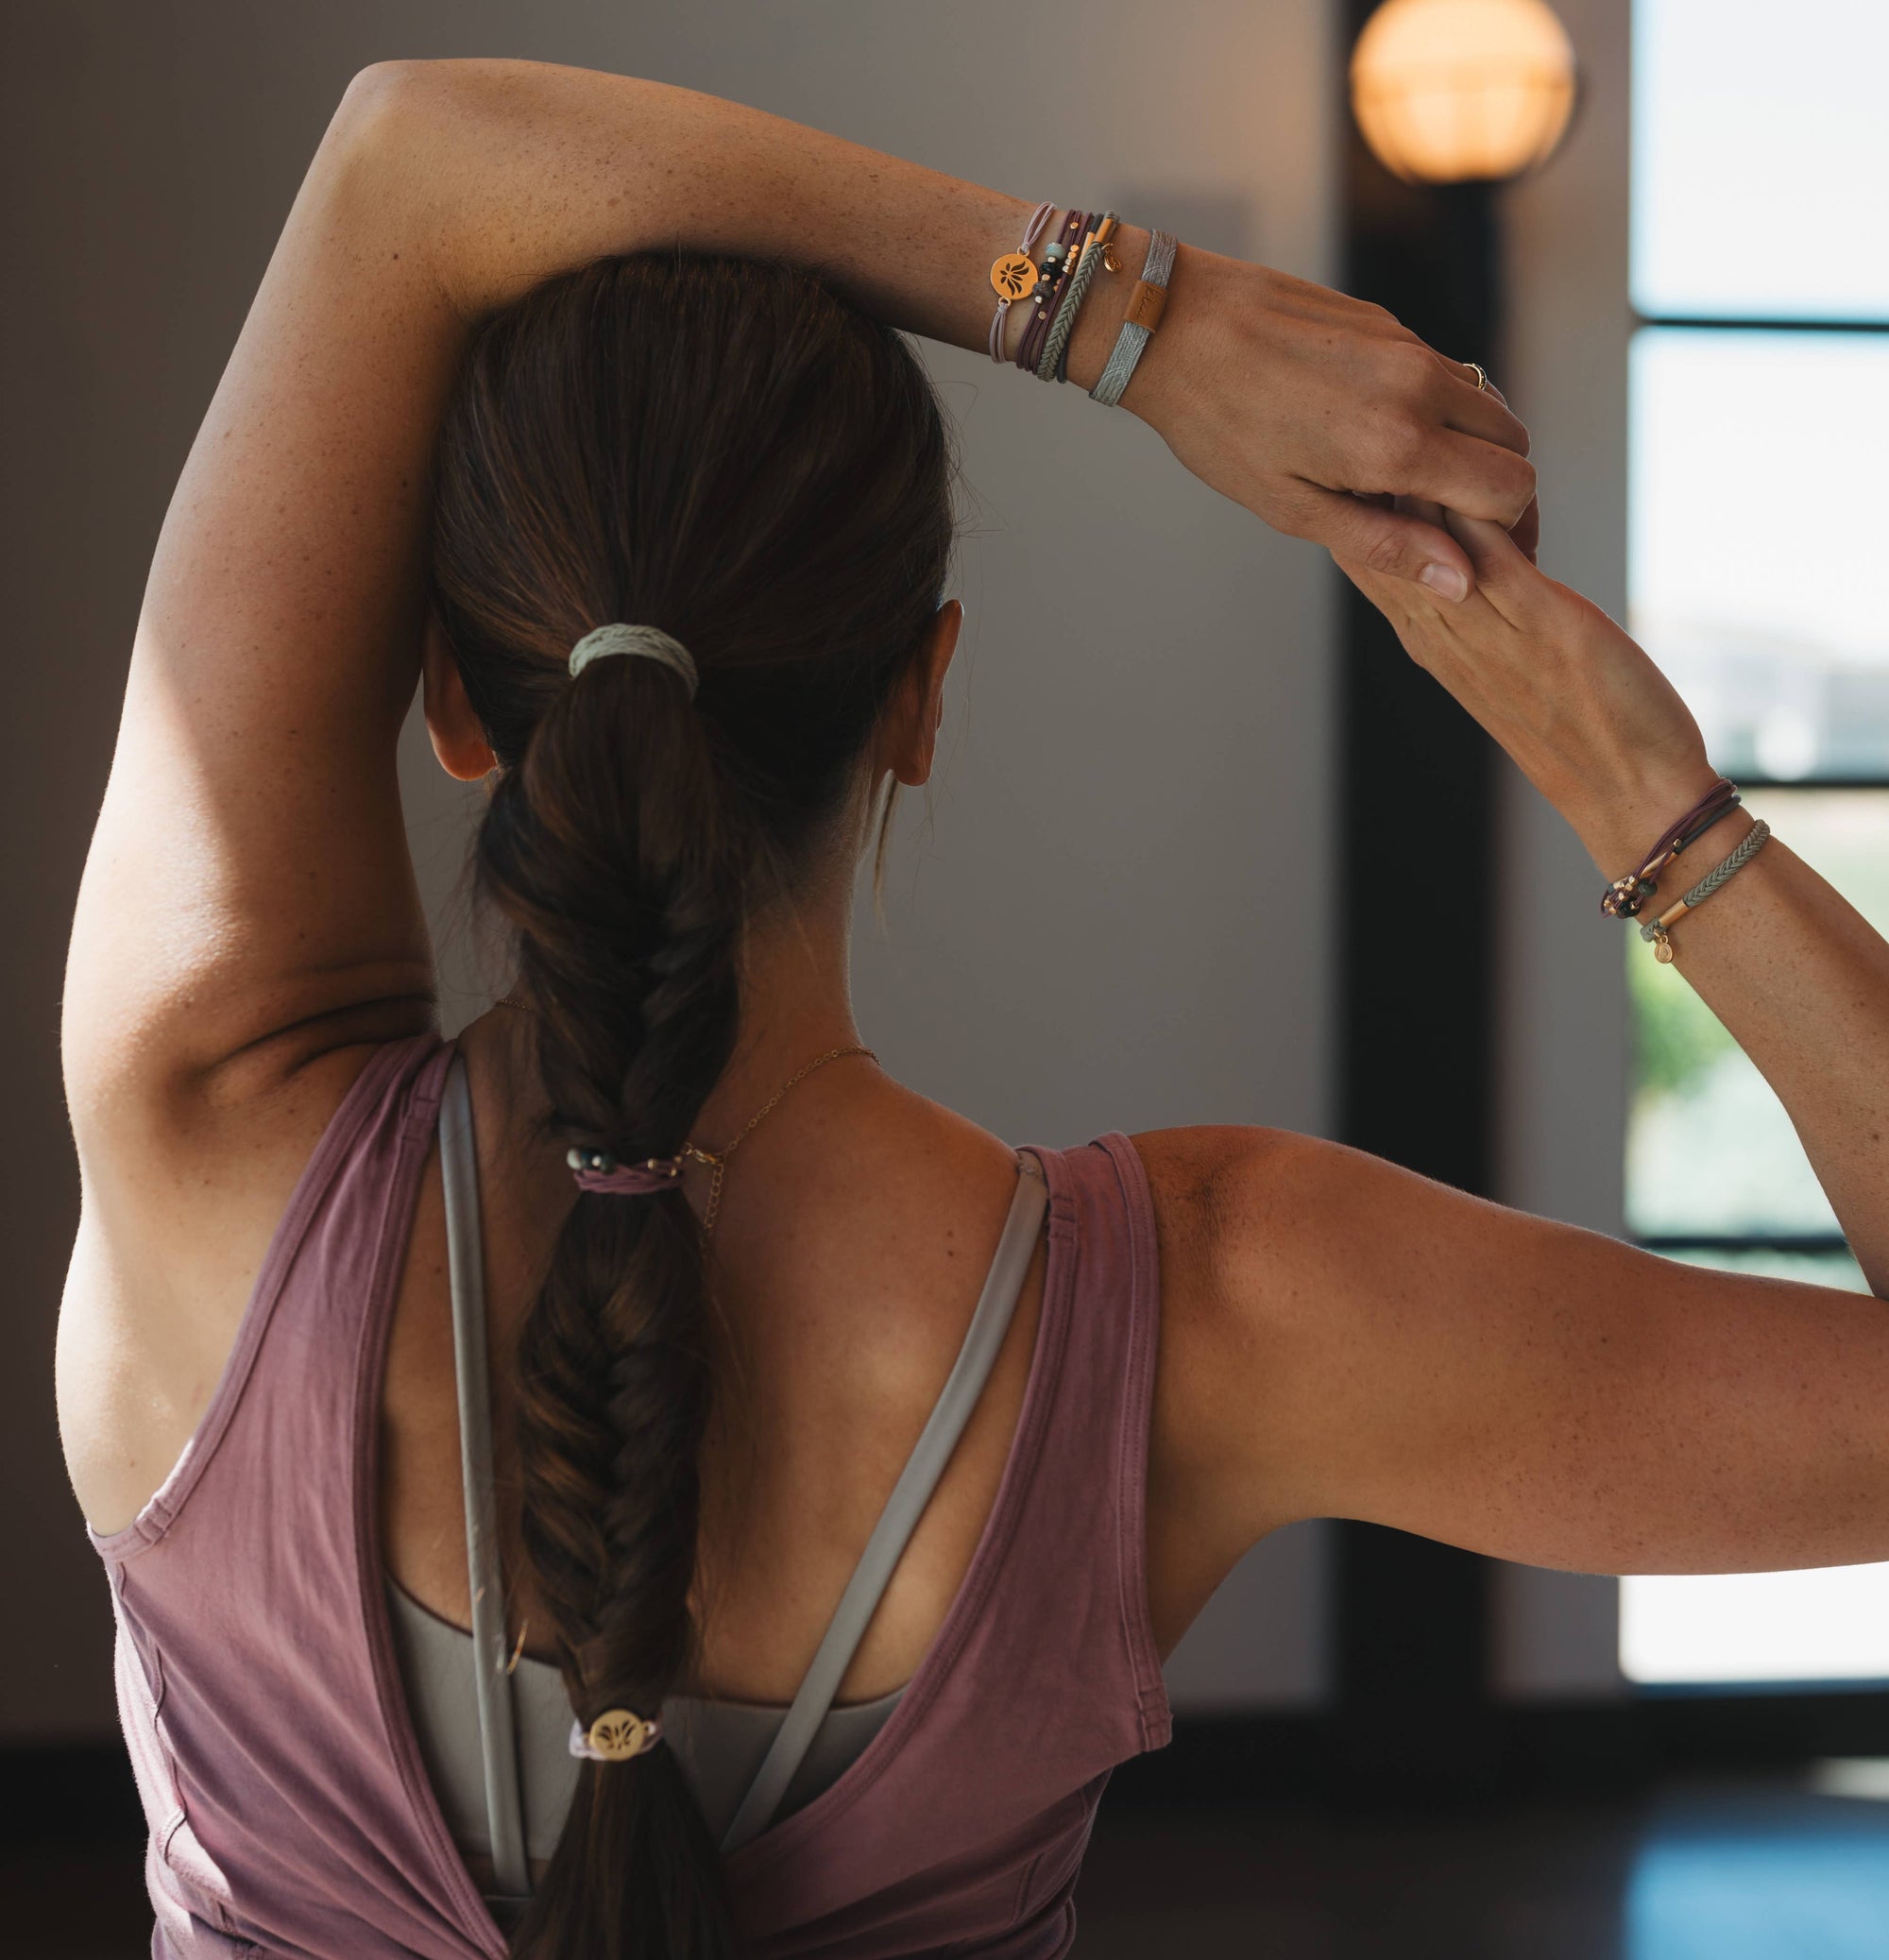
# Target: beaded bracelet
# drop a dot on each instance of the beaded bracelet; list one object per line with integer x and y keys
{"x": 1057, "y": 258}
{"x": 1014, "y": 275}
{"x": 1052, "y": 364}
{"x": 1749, "y": 846}
{"x": 1626, "y": 895}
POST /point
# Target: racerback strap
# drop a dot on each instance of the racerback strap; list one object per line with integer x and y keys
{"x": 903, "y": 1508}
{"x": 465, "y": 1274}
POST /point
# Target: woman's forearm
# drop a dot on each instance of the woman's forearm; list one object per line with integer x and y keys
{"x": 529, "y": 169}
{"x": 1801, "y": 981}
{"x": 1295, "y": 402}
{"x": 1797, "y": 975}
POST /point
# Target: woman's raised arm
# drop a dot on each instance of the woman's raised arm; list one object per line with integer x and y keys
{"x": 248, "y": 907}
{"x": 1283, "y": 395}
{"x": 1343, "y": 1338}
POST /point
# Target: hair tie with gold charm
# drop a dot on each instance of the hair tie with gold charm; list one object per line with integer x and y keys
{"x": 1014, "y": 275}
{"x": 615, "y": 1737}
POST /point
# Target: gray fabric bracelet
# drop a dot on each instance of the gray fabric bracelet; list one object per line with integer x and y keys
{"x": 1748, "y": 846}
{"x": 1081, "y": 280}
{"x": 1137, "y": 331}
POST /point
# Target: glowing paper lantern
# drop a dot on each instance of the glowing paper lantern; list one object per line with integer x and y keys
{"x": 1447, "y": 90}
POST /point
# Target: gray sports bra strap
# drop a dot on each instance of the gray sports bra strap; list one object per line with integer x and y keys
{"x": 903, "y": 1508}
{"x": 465, "y": 1271}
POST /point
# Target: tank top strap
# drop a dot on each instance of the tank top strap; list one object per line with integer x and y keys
{"x": 1045, "y": 1673}
{"x": 983, "y": 1338}
{"x": 492, "y": 1688}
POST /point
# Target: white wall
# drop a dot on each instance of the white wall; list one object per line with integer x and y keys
{"x": 1117, "y": 915}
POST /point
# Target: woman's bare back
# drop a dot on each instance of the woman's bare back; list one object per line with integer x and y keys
{"x": 852, "y": 1254}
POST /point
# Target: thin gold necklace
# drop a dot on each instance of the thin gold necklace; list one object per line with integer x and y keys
{"x": 717, "y": 1161}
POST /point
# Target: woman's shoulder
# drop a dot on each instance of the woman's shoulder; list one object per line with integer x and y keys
{"x": 1202, "y": 1179}
{"x": 1217, "y": 1191}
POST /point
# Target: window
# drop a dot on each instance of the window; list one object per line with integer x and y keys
{"x": 1759, "y": 402}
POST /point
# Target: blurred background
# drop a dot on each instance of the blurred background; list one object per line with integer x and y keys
{"x": 1167, "y": 873}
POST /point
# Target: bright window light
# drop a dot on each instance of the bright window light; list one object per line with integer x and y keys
{"x": 1760, "y": 150}
{"x": 1711, "y": 1151}
{"x": 1822, "y": 1626}
{"x": 1755, "y": 541}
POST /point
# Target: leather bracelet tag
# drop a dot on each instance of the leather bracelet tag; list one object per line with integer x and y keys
{"x": 1146, "y": 305}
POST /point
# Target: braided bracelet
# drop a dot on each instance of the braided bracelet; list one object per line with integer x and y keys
{"x": 1626, "y": 895}
{"x": 1051, "y": 363}
{"x": 1749, "y": 846}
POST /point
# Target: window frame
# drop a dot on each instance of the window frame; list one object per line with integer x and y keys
{"x": 1843, "y": 1687}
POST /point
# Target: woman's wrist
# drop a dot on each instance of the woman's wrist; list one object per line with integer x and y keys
{"x": 1099, "y": 321}
{"x": 1618, "y": 822}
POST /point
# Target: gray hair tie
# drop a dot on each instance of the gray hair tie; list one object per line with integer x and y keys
{"x": 651, "y": 641}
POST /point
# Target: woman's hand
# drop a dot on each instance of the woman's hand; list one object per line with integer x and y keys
{"x": 1315, "y": 410}
{"x": 1579, "y": 706}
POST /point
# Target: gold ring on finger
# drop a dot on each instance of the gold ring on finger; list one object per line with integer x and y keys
{"x": 1481, "y": 374}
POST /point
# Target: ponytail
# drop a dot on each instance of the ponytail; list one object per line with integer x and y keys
{"x": 729, "y": 451}
{"x": 603, "y": 851}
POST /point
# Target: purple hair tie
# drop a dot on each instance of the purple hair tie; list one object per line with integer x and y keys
{"x": 597, "y": 1170}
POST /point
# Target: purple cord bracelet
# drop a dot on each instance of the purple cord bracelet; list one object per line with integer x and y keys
{"x": 1012, "y": 279}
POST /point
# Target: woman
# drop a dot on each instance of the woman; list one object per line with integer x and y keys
{"x": 842, "y": 1474}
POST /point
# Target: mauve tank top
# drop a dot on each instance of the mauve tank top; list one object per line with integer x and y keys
{"x": 291, "y": 1818}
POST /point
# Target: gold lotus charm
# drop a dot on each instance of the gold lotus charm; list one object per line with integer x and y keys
{"x": 617, "y": 1735}
{"x": 1013, "y": 276}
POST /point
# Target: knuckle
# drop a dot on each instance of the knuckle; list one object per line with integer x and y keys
{"x": 1300, "y": 516}
{"x": 1388, "y": 554}
{"x": 1411, "y": 371}
{"x": 1521, "y": 486}
{"x": 1404, "y": 440}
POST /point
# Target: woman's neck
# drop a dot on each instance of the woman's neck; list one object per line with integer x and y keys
{"x": 797, "y": 1004}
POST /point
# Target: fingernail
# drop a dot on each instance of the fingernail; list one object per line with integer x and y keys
{"x": 1445, "y": 579}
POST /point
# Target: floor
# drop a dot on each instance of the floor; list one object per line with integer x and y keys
{"x": 1735, "y": 1872}
{"x": 1727, "y": 1871}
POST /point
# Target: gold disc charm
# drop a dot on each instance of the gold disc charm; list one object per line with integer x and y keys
{"x": 618, "y": 1735}
{"x": 1013, "y": 276}
{"x": 1663, "y": 948}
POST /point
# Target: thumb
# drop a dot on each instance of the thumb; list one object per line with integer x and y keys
{"x": 1391, "y": 544}
{"x": 1501, "y": 564}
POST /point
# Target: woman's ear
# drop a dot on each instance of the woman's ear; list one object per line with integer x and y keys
{"x": 457, "y": 739}
{"x": 912, "y": 729}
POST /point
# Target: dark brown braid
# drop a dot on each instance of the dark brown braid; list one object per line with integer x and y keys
{"x": 729, "y": 451}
